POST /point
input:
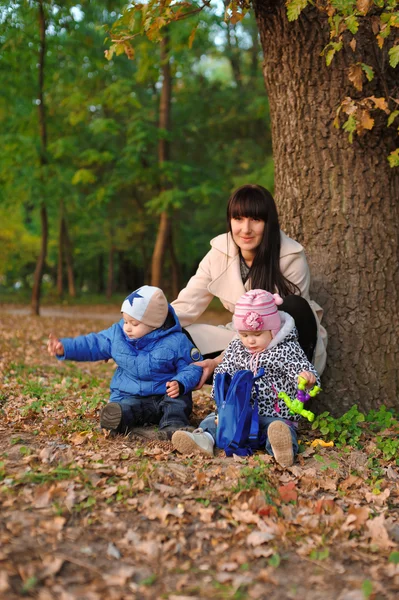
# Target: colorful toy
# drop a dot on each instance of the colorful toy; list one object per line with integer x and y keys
{"x": 296, "y": 406}
{"x": 322, "y": 443}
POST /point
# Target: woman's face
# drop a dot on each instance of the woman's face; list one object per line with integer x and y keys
{"x": 247, "y": 233}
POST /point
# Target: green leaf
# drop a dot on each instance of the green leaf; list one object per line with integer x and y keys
{"x": 84, "y": 176}
{"x": 330, "y": 51}
{"x": 352, "y": 24}
{"x": 393, "y": 158}
{"x": 274, "y": 560}
{"x": 367, "y": 588}
{"x": 394, "y": 56}
{"x": 350, "y": 127}
{"x": 295, "y": 8}
{"x": 394, "y": 557}
{"x": 392, "y": 117}
{"x": 369, "y": 71}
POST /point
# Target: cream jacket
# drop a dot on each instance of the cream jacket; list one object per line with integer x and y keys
{"x": 218, "y": 275}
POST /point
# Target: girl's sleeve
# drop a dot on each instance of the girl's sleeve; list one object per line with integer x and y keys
{"x": 298, "y": 362}
{"x": 91, "y": 347}
{"x": 195, "y": 297}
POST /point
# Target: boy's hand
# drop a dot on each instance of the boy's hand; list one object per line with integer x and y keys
{"x": 172, "y": 389}
{"x": 54, "y": 346}
{"x": 309, "y": 378}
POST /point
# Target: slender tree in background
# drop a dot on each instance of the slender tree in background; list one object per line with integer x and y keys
{"x": 37, "y": 281}
{"x": 325, "y": 64}
{"x": 163, "y": 234}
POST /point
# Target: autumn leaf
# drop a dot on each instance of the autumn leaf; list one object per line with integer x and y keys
{"x": 355, "y": 76}
{"x": 380, "y": 103}
{"x": 363, "y": 6}
{"x": 257, "y": 538}
{"x": 364, "y": 121}
{"x": 378, "y": 533}
{"x": 288, "y": 492}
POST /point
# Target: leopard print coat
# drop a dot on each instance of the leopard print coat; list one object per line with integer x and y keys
{"x": 282, "y": 360}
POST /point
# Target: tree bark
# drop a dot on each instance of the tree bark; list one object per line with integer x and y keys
{"x": 60, "y": 260}
{"x": 339, "y": 200}
{"x": 69, "y": 259}
{"x": 110, "y": 278}
{"x": 38, "y": 275}
{"x": 174, "y": 265}
{"x": 161, "y": 241}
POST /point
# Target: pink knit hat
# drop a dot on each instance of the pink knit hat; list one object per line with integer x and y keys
{"x": 257, "y": 311}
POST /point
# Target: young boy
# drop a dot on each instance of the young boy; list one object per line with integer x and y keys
{"x": 155, "y": 374}
{"x": 267, "y": 338}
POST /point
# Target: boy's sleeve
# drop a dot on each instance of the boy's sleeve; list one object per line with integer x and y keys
{"x": 188, "y": 374}
{"x": 91, "y": 347}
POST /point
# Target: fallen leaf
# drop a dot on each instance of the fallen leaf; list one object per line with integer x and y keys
{"x": 392, "y": 474}
{"x": 257, "y": 538}
{"x": 378, "y": 499}
{"x": 378, "y": 533}
{"x": 4, "y": 583}
{"x": 113, "y": 551}
{"x": 288, "y": 492}
{"x": 119, "y": 576}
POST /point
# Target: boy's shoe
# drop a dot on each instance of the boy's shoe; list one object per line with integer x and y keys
{"x": 111, "y": 417}
{"x": 196, "y": 442}
{"x": 280, "y": 439}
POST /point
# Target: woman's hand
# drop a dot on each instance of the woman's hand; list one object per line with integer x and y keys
{"x": 308, "y": 377}
{"x": 208, "y": 366}
{"x": 54, "y": 346}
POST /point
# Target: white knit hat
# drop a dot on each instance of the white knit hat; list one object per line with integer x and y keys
{"x": 148, "y": 305}
{"x": 257, "y": 310}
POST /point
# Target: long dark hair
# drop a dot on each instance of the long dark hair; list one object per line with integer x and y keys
{"x": 255, "y": 202}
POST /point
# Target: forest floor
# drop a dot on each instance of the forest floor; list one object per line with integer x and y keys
{"x": 87, "y": 517}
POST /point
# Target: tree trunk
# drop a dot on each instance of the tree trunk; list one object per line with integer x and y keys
{"x": 339, "y": 200}
{"x": 60, "y": 266}
{"x": 110, "y": 279}
{"x": 37, "y": 279}
{"x": 100, "y": 276}
{"x": 163, "y": 156}
{"x": 158, "y": 255}
{"x": 69, "y": 259}
{"x": 174, "y": 264}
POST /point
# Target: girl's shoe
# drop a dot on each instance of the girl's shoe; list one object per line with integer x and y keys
{"x": 111, "y": 417}
{"x": 280, "y": 439}
{"x": 196, "y": 442}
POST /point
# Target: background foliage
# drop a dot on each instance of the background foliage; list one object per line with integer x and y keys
{"x": 102, "y": 121}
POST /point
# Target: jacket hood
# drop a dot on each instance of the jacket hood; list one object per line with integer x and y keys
{"x": 287, "y": 332}
{"x": 157, "y": 334}
{"x": 225, "y": 243}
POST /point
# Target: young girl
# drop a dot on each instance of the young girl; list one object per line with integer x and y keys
{"x": 267, "y": 338}
{"x": 254, "y": 254}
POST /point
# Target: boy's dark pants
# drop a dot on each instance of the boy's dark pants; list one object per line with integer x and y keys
{"x": 155, "y": 410}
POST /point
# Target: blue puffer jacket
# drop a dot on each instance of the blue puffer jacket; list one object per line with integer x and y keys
{"x": 145, "y": 364}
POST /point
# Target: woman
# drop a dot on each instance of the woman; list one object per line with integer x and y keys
{"x": 254, "y": 253}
